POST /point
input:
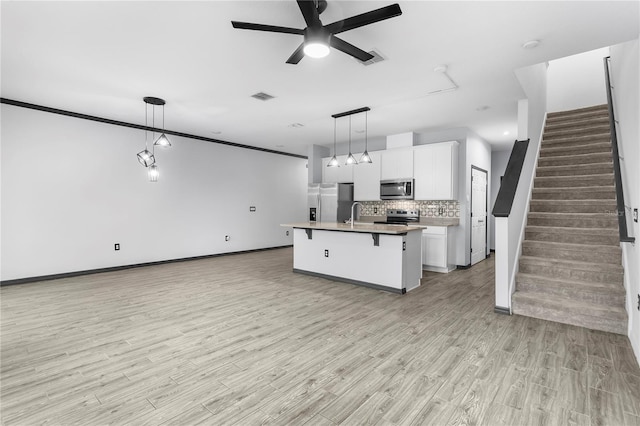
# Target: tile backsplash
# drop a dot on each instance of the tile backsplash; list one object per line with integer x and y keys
{"x": 427, "y": 208}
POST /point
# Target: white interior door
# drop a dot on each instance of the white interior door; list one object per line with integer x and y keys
{"x": 478, "y": 215}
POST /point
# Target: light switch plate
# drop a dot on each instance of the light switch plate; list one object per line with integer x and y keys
{"x": 635, "y": 215}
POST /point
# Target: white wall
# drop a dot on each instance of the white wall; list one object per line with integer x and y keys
{"x": 510, "y": 231}
{"x": 624, "y": 78}
{"x": 499, "y": 160}
{"x": 478, "y": 155}
{"x": 71, "y": 188}
{"x": 576, "y": 81}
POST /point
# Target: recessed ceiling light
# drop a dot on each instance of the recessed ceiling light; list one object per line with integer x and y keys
{"x": 279, "y": 146}
{"x": 531, "y": 44}
{"x": 506, "y": 132}
{"x": 216, "y": 132}
{"x": 295, "y": 125}
{"x": 483, "y": 108}
{"x": 440, "y": 68}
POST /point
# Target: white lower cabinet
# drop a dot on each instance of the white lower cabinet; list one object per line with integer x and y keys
{"x": 438, "y": 249}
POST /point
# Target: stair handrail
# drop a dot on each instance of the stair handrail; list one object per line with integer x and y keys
{"x": 509, "y": 184}
{"x": 620, "y": 205}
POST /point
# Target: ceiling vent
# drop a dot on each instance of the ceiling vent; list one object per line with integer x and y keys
{"x": 262, "y": 96}
{"x": 377, "y": 57}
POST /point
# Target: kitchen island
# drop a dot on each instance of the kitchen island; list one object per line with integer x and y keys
{"x": 384, "y": 257}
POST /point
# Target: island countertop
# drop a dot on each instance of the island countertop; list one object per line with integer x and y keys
{"x": 357, "y": 227}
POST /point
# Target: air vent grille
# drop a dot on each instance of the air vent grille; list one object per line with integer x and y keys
{"x": 377, "y": 57}
{"x": 262, "y": 96}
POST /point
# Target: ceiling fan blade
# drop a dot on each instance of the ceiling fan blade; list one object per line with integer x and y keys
{"x": 364, "y": 19}
{"x": 310, "y": 13}
{"x": 349, "y": 49}
{"x": 297, "y": 55}
{"x": 269, "y": 28}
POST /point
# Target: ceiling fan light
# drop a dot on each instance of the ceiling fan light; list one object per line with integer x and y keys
{"x": 351, "y": 160}
{"x": 162, "y": 141}
{"x": 365, "y": 158}
{"x": 146, "y": 158}
{"x": 333, "y": 162}
{"x": 316, "y": 49}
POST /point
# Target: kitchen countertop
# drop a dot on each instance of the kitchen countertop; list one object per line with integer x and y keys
{"x": 357, "y": 227}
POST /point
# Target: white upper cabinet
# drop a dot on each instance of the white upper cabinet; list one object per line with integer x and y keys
{"x": 342, "y": 174}
{"x": 366, "y": 179}
{"x": 396, "y": 164}
{"x": 435, "y": 168}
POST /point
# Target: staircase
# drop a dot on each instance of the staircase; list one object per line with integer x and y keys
{"x": 570, "y": 268}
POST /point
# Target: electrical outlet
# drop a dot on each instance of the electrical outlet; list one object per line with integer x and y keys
{"x": 227, "y": 238}
{"x": 326, "y": 253}
{"x": 375, "y": 210}
{"x": 639, "y": 302}
{"x": 116, "y": 246}
{"x": 287, "y": 233}
{"x": 635, "y": 215}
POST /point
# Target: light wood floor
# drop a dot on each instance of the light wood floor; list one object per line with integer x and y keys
{"x": 242, "y": 340}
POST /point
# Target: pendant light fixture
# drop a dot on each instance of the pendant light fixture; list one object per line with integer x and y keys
{"x": 146, "y": 157}
{"x": 350, "y": 158}
{"x": 366, "y": 158}
{"x": 334, "y": 160}
{"x": 162, "y": 141}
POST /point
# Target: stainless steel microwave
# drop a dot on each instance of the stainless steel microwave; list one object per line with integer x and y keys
{"x": 397, "y": 189}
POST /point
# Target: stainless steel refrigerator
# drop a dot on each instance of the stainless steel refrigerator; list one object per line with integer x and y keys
{"x": 330, "y": 202}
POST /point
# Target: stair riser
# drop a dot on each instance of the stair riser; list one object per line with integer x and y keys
{"x": 584, "y": 149}
{"x": 573, "y": 182}
{"x": 595, "y": 323}
{"x": 560, "y": 133}
{"x": 580, "y": 170}
{"x": 575, "y": 159}
{"x": 551, "y": 207}
{"x": 598, "y": 297}
{"x": 584, "y": 113}
{"x": 584, "y": 194}
{"x": 598, "y": 222}
{"x": 576, "y": 123}
{"x": 570, "y": 274}
{"x": 576, "y": 141}
{"x": 596, "y": 256}
{"x": 575, "y": 238}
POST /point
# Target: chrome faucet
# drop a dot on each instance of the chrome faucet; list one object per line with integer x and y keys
{"x": 352, "y": 207}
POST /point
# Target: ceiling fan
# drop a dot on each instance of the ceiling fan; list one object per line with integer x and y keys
{"x": 318, "y": 37}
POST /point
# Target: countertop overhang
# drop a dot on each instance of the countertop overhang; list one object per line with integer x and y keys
{"x": 371, "y": 228}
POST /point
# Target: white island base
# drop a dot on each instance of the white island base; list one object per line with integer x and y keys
{"x": 378, "y": 256}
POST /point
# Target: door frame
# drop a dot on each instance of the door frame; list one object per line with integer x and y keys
{"x": 486, "y": 227}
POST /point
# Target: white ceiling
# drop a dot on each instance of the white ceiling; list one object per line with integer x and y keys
{"x": 102, "y": 58}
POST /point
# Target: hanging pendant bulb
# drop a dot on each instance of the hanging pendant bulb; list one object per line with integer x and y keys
{"x": 146, "y": 158}
{"x": 366, "y": 158}
{"x": 350, "y": 158}
{"x": 162, "y": 141}
{"x": 153, "y": 173}
{"x": 334, "y": 160}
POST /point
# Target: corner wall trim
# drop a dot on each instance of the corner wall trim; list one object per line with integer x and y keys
{"x": 502, "y": 311}
{"x": 121, "y": 268}
{"x": 139, "y": 126}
